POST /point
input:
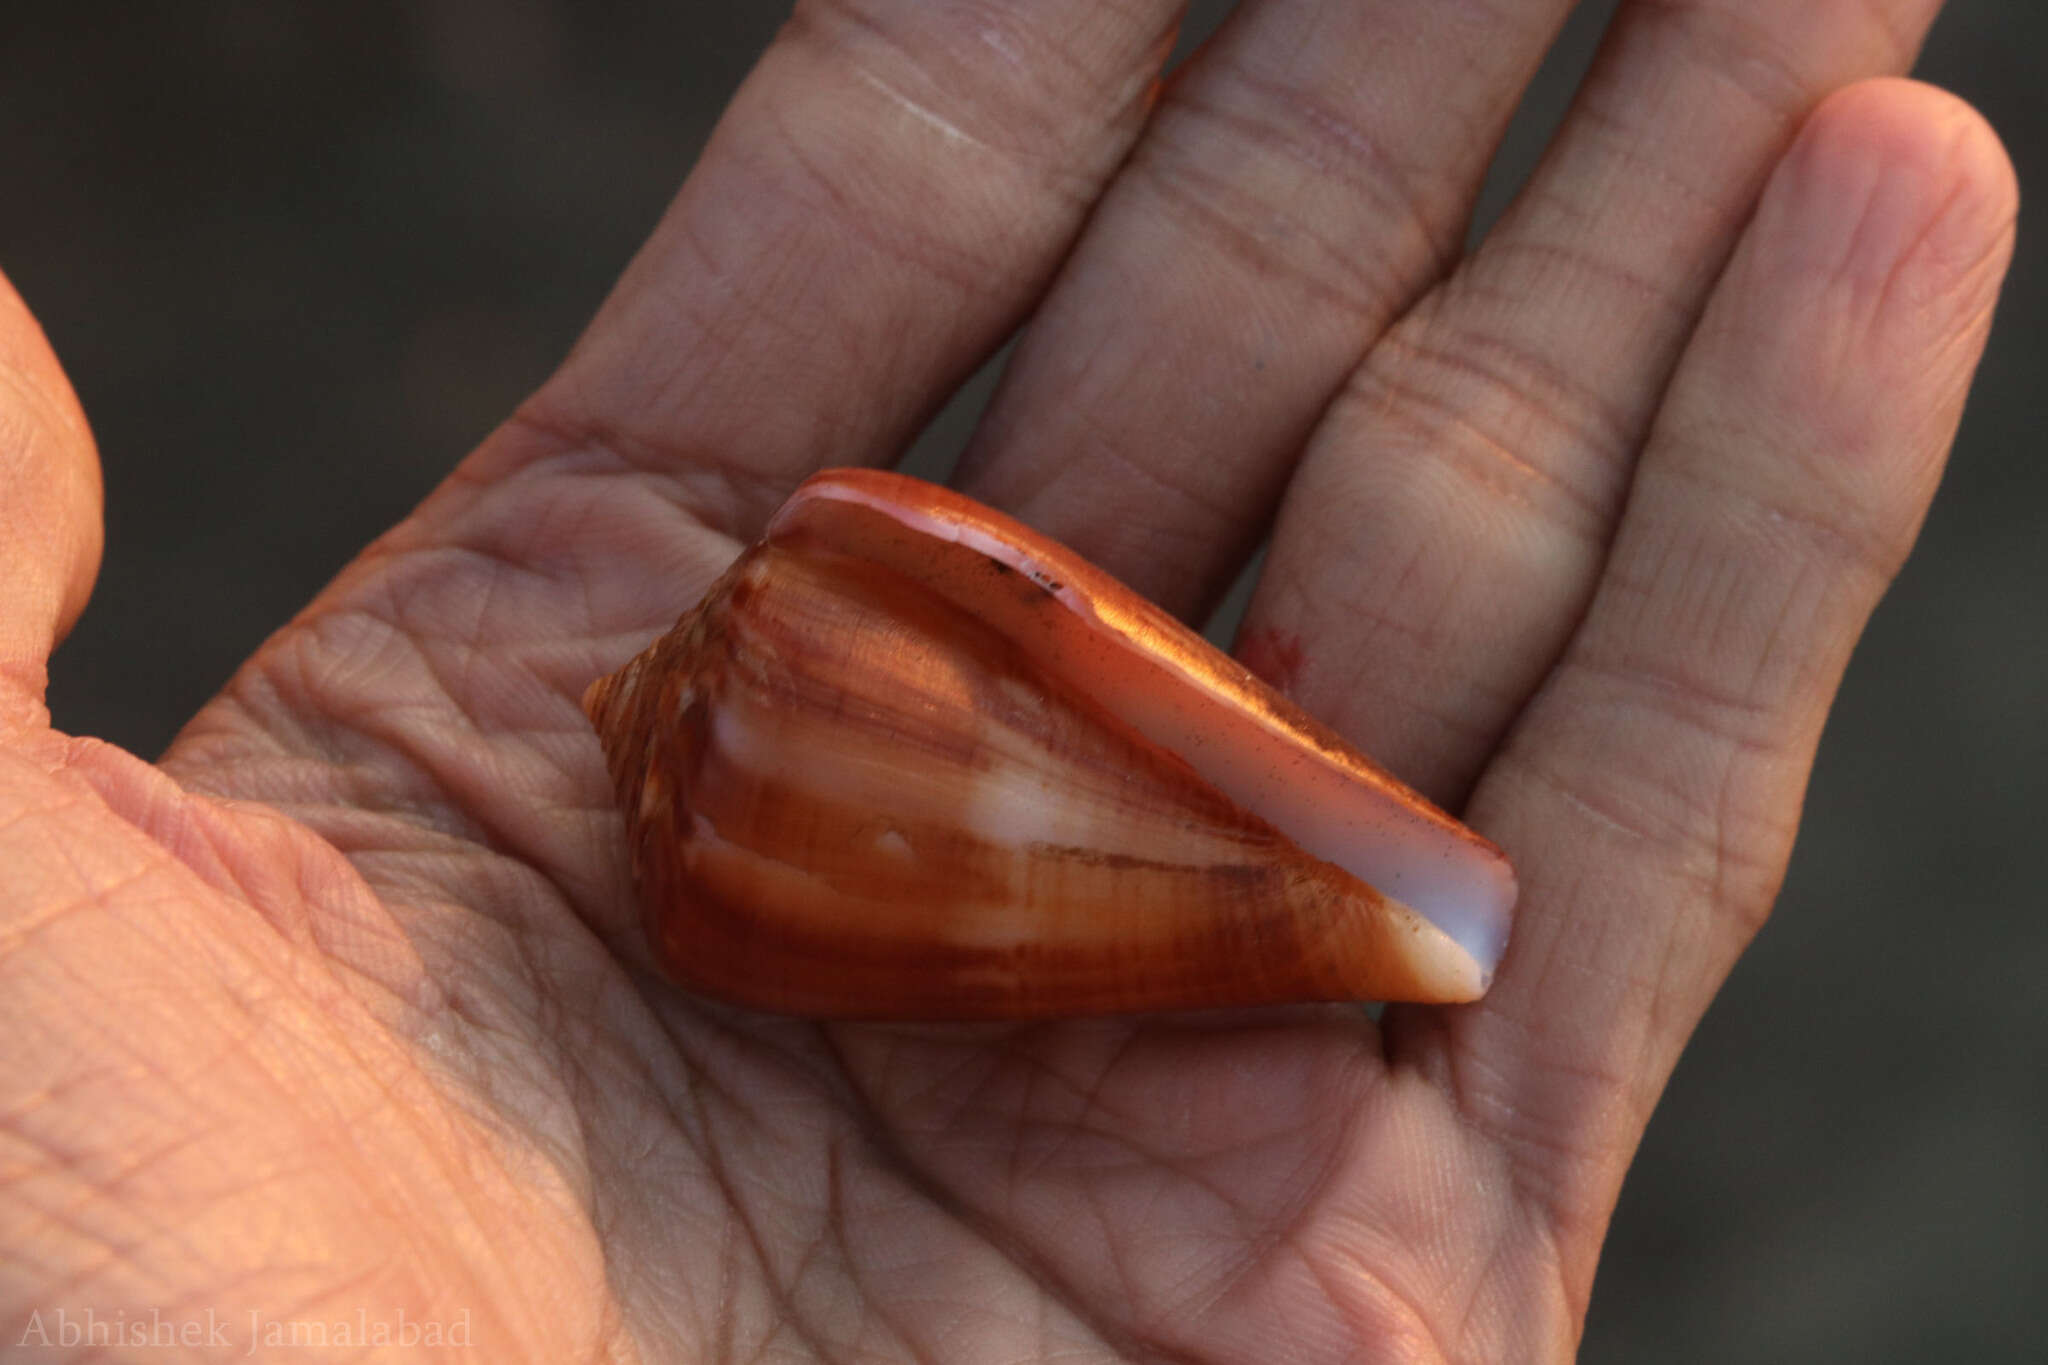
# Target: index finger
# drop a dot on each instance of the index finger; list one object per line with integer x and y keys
{"x": 881, "y": 202}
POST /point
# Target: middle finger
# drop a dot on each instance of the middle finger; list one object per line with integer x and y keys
{"x": 1304, "y": 178}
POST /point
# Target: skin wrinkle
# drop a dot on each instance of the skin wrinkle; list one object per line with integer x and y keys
{"x": 1288, "y": 1226}
{"x": 392, "y": 1104}
{"x": 1954, "y": 353}
{"x": 373, "y": 645}
{"x": 560, "y": 1029}
{"x": 1477, "y": 1089}
{"x": 796, "y": 1060}
{"x": 1251, "y": 236}
{"x": 593, "y": 471}
{"x": 565, "y": 421}
{"x": 976, "y": 1098}
{"x": 349, "y": 809}
{"x": 1422, "y": 629}
{"x": 329, "y": 932}
{"x": 1280, "y": 120}
{"x": 1910, "y": 266}
{"x": 690, "y": 1109}
{"x": 1125, "y": 1285}
{"x": 1040, "y": 116}
{"x": 1858, "y": 545}
{"x": 883, "y": 1143}
{"x": 1466, "y": 1326}
{"x": 1609, "y": 413}
{"x": 1485, "y": 26}
{"x": 1568, "y": 1159}
{"x": 1624, "y": 812}
{"x": 1137, "y": 1160}
{"x": 1020, "y": 1054}
{"x": 836, "y": 1224}
{"x": 811, "y": 1257}
{"x": 415, "y": 1118}
{"x": 725, "y": 1336}
{"x": 382, "y": 722}
{"x": 1603, "y": 113}
{"x": 1108, "y": 448}
{"x": 735, "y": 511}
{"x": 1743, "y": 53}
{"x": 1549, "y": 1185}
{"x": 1188, "y": 1173}
{"x": 1067, "y": 1133}
{"x": 816, "y": 20}
{"x": 160, "y": 1230}
{"x": 778, "y": 1291}
{"x": 1977, "y": 276}
{"x": 91, "y": 1187}
{"x": 464, "y": 560}
{"x": 1091, "y": 1093}
{"x": 1738, "y": 722}
{"x": 111, "y": 1255}
{"x": 1378, "y": 1313}
{"x": 1779, "y": 646}
{"x": 1550, "y": 1170}
{"x": 1433, "y": 416}
{"x": 720, "y": 494}
{"x": 908, "y": 241}
{"x": 625, "y": 606}
{"x": 20, "y": 936}
{"x": 1371, "y": 625}
{"x": 1592, "y": 418}
{"x": 1016, "y": 1171}
{"x": 1413, "y": 1215}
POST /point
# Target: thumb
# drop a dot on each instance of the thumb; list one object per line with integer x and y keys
{"x": 49, "y": 509}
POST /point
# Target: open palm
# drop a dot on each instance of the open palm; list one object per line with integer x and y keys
{"x": 341, "y": 1009}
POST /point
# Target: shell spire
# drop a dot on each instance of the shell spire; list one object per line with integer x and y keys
{"x": 910, "y": 759}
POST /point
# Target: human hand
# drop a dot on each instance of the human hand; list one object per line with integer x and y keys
{"x": 399, "y": 1047}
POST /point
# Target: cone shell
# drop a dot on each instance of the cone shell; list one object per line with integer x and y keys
{"x": 910, "y": 759}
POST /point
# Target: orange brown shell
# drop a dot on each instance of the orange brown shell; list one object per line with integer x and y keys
{"x": 909, "y": 759}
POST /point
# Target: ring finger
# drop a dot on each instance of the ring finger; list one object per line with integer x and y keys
{"x": 1454, "y": 508}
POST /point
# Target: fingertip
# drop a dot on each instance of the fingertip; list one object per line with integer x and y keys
{"x": 1899, "y": 192}
{"x": 1858, "y": 304}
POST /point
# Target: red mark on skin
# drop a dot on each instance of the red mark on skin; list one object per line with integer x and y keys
{"x": 1274, "y": 655}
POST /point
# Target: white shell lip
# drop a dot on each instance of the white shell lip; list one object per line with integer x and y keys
{"x": 1246, "y": 740}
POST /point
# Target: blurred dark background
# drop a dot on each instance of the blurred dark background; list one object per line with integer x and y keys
{"x": 297, "y": 258}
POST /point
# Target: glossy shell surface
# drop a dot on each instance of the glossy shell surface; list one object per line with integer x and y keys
{"x": 910, "y": 759}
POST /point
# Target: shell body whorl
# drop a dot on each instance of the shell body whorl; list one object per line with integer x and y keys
{"x": 908, "y": 759}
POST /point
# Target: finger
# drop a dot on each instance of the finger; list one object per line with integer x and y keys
{"x": 1653, "y": 788}
{"x": 884, "y": 197}
{"x": 1448, "y": 524}
{"x": 49, "y": 508}
{"x": 1308, "y": 174}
